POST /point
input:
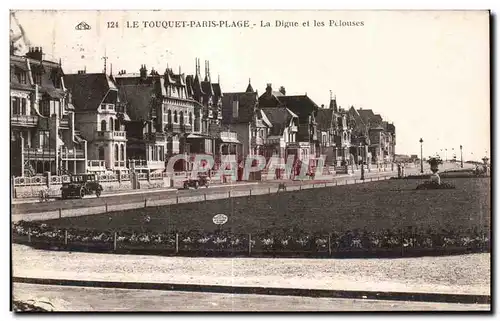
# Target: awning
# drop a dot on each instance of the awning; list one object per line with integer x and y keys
{"x": 194, "y": 136}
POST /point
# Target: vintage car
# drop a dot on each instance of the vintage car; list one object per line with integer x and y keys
{"x": 81, "y": 185}
{"x": 201, "y": 180}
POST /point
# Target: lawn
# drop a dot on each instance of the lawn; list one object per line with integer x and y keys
{"x": 392, "y": 204}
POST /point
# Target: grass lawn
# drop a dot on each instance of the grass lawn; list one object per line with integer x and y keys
{"x": 375, "y": 206}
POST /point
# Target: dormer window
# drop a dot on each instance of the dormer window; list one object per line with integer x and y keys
{"x": 21, "y": 76}
{"x": 37, "y": 78}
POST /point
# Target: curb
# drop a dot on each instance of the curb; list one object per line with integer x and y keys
{"x": 340, "y": 294}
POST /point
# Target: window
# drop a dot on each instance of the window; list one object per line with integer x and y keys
{"x": 111, "y": 123}
{"x": 117, "y": 124}
{"x": 23, "y": 106}
{"x": 175, "y": 117}
{"x": 21, "y": 76}
{"x": 16, "y": 105}
{"x": 122, "y": 152}
{"x": 116, "y": 153}
{"x": 169, "y": 116}
{"x": 101, "y": 153}
{"x": 191, "y": 118}
{"x": 45, "y": 108}
{"x": 103, "y": 125}
{"x": 181, "y": 117}
{"x": 44, "y": 139}
{"x": 37, "y": 78}
{"x": 235, "y": 108}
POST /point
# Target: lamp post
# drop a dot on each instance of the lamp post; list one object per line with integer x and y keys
{"x": 421, "y": 156}
{"x": 362, "y": 162}
{"x": 461, "y": 158}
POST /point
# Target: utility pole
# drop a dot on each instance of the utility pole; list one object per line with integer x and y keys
{"x": 461, "y": 158}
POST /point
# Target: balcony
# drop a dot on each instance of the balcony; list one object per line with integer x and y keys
{"x": 64, "y": 122}
{"x": 74, "y": 153}
{"x": 257, "y": 141}
{"x": 112, "y": 135}
{"x": 175, "y": 128}
{"x": 24, "y": 120}
{"x": 96, "y": 166}
{"x": 109, "y": 108}
{"x": 155, "y": 137}
{"x": 120, "y": 164}
{"x": 39, "y": 153}
{"x": 144, "y": 164}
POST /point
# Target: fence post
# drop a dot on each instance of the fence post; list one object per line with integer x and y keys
{"x": 229, "y": 194}
{"x": 325, "y": 184}
{"x": 145, "y": 202}
{"x": 114, "y": 241}
{"x": 60, "y": 212}
{"x": 176, "y": 243}
{"x": 269, "y": 190}
{"x": 65, "y": 237}
{"x": 330, "y": 244}
{"x": 106, "y": 207}
{"x": 249, "y": 244}
{"x": 29, "y": 234}
{"x": 336, "y": 182}
{"x": 205, "y": 196}
{"x": 177, "y": 199}
{"x": 250, "y": 192}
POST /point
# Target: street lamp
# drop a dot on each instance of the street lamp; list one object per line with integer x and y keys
{"x": 461, "y": 158}
{"x": 421, "y": 156}
{"x": 362, "y": 162}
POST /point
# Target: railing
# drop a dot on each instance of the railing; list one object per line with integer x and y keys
{"x": 96, "y": 165}
{"x": 111, "y": 134}
{"x": 257, "y": 141}
{"x": 39, "y": 152}
{"x": 120, "y": 164}
{"x": 155, "y": 137}
{"x": 30, "y": 181}
{"x": 72, "y": 153}
{"x": 229, "y": 135}
{"x": 24, "y": 120}
{"x": 64, "y": 122}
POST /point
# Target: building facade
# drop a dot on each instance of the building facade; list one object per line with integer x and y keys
{"x": 100, "y": 119}
{"x": 43, "y": 134}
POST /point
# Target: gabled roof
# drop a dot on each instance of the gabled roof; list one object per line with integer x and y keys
{"x": 279, "y": 117}
{"x": 206, "y": 86}
{"x": 301, "y": 105}
{"x": 246, "y": 107}
{"x": 324, "y": 118}
{"x": 139, "y": 100}
{"x": 216, "y": 89}
{"x": 88, "y": 90}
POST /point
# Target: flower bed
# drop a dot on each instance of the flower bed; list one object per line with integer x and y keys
{"x": 287, "y": 243}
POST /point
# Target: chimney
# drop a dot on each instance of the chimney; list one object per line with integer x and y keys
{"x": 35, "y": 53}
{"x": 282, "y": 90}
{"x": 269, "y": 88}
{"x": 144, "y": 72}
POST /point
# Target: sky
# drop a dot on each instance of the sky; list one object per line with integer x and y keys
{"x": 425, "y": 71}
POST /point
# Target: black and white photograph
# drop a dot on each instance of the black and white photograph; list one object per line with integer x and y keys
{"x": 250, "y": 160}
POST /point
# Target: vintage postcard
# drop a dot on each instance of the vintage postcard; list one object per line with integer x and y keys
{"x": 250, "y": 160}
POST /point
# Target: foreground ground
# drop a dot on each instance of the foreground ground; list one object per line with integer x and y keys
{"x": 464, "y": 274}
{"x": 391, "y": 204}
{"x": 98, "y": 299}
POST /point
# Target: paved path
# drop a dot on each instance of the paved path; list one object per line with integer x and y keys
{"x": 67, "y": 298}
{"x": 464, "y": 274}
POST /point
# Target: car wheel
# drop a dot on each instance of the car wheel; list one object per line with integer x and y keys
{"x": 97, "y": 192}
{"x": 196, "y": 185}
{"x": 186, "y": 186}
{"x": 82, "y": 193}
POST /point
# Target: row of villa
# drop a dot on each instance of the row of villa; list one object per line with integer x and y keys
{"x": 135, "y": 122}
